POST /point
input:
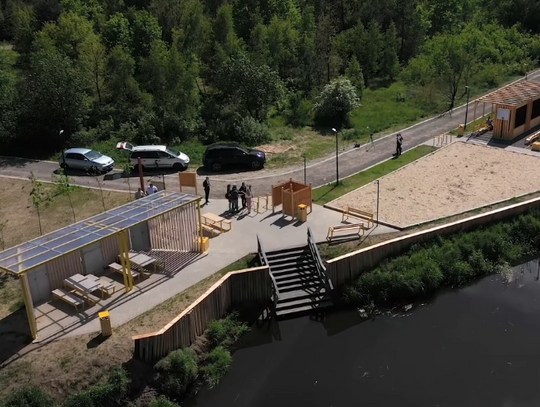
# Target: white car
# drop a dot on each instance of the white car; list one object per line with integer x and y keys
{"x": 155, "y": 156}
{"x": 85, "y": 159}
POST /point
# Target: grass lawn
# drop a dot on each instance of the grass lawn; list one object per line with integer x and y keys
{"x": 327, "y": 193}
{"x": 470, "y": 126}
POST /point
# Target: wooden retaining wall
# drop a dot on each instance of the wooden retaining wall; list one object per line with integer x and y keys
{"x": 343, "y": 269}
{"x": 235, "y": 288}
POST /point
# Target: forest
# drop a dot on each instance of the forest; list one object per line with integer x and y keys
{"x": 194, "y": 72}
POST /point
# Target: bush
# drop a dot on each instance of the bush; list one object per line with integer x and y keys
{"x": 218, "y": 364}
{"x": 336, "y": 101}
{"x": 250, "y": 132}
{"x": 163, "y": 401}
{"x": 449, "y": 262}
{"x": 177, "y": 372}
{"x": 109, "y": 393}
{"x": 300, "y": 112}
{"x": 31, "y": 396}
{"x": 224, "y": 332}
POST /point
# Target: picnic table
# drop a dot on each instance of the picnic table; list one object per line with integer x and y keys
{"x": 216, "y": 221}
{"x": 84, "y": 286}
{"x": 142, "y": 261}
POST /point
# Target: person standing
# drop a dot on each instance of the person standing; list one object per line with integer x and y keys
{"x": 234, "y": 198}
{"x": 139, "y": 194}
{"x": 242, "y": 192}
{"x": 206, "y": 187}
{"x": 151, "y": 189}
{"x": 249, "y": 197}
{"x": 228, "y": 197}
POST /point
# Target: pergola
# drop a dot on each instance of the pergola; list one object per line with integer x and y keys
{"x": 167, "y": 221}
{"x": 516, "y": 108}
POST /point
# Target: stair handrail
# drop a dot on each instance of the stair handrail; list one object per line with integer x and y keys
{"x": 262, "y": 256}
{"x": 321, "y": 269}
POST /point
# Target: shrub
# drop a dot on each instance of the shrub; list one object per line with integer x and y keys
{"x": 250, "y": 132}
{"x": 31, "y": 396}
{"x": 336, "y": 101}
{"x": 224, "y": 332}
{"x": 447, "y": 262}
{"x": 300, "y": 112}
{"x": 218, "y": 364}
{"x": 163, "y": 401}
{"x": 109, "y": 393}
{"x": 177, "y": 372}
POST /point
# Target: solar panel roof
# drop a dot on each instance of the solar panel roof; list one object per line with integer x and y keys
{"x": 25, "y": 256}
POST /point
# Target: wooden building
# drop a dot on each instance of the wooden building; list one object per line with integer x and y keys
{"x": 515, "y": 108}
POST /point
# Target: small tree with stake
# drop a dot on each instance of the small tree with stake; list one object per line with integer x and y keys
{"x": 127, "y": 167}
{"x": 64, "y": 188}
{"x": 40, "y": 197}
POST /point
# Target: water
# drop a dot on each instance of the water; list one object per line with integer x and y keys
{"x": 479, "y": 346}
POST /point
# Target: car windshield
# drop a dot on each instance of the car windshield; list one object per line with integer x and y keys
{"x": 174, "y": 152}
{"x": 92, "y": 155}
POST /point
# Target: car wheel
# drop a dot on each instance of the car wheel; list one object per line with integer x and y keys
{"x": 179, "y": 167}
{"x": 256, "y": 165}
{"x": 64, "y": 166}
{"x": 216, "y": 167}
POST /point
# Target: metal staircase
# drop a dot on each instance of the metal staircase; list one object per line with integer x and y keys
{"x": 300, "y": 283}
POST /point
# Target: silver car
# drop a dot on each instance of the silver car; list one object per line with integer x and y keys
{"x": 85, "y": 159}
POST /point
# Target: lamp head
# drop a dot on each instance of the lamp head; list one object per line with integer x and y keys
{"x": 334, "y": 130}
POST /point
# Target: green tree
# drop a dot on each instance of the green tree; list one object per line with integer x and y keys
{"x": 92, "y": 63}
{"x": 307, "y": 50}
{"x": 336, "y": 101}
{"x": 8, "y": 81}
{"x": 354, "y": 74}
{"x": 146, "y": 30}
{"x": 117, "y": 32}
{"x": 40, "y": 198}
{"x": 24, "y": 24}
{"x": 282, "y": 43}
{"x": 64, "y": 187}
{"x": 193, "y": 35}
{"x": 371, "y": 52}
{"x": 389, "y": 62}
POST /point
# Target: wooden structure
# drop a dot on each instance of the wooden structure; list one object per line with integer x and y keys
{"x": 516, "y": 109}
{"x": 187, "y": 179}
{"x": 166, "y": 223}
{"x": 354, "y": 228}
{"x": 236, "y": 287}
{"x": 351, "y": 212}
{"x": 291, "y": 194}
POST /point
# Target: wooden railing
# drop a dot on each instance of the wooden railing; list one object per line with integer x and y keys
{"x": 321, "y": 269}
{"x": 264, "y": 262}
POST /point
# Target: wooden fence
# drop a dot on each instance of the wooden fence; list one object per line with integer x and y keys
{"x": 235, "y": 288}
{"x": 343, "y": 269}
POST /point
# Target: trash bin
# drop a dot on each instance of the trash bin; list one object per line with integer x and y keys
{"x": 461, "y": 130}
{"x": 302, "y": 213}
{"x": 105, "y": 322}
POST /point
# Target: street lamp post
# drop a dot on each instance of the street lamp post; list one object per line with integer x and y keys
{"x": 466, "y": 107}
{"x": 377, "y": 202}
{"x": 305, "y": 177}
{"x": 337, "y": 156}
{"x": 63, "y": 155}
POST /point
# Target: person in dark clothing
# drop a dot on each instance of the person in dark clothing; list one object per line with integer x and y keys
{"x": 242, "y": 193}
{"x": 399, "y": 140}
{"x": 228, "y": 196}
{"x": 234, "y": 198}
{"x": 206, "y": 187}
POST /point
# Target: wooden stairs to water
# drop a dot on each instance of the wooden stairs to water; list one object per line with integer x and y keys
{"x": 299, "y": 279}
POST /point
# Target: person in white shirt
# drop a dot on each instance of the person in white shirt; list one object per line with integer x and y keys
{"x": 151, "y": 189}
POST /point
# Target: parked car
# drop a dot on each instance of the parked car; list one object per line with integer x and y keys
{"x": 218, "y": 156}
{"x": 85, "y": 159}
{"x": 155, "y": 156}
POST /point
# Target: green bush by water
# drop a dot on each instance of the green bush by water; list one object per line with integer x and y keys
{"x": 163, "y": 401}
{"x": 224, "y": 332}
{"x": 28, "y": 397}
{"x": 218, "y": 363}
{"x": 447, "y": 262}
{"x": 177, "y": 372}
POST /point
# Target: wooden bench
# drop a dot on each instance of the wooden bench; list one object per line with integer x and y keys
{"x": 117, "y": 268}
{"x": 108, "y": 286}
{"x": 92, "y": 299}
{"x": 532, "y": 138}
{"x": 212, "y": 230}
{"x": 357, "y": 227}
{"x": 357, "y": 213}
{"x": 69, "y": 298}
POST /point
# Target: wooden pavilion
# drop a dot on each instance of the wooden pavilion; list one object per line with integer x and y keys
{"x": 516, "y": 108}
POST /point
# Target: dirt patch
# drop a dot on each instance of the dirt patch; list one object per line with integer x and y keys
{"x": 453, "y": 180}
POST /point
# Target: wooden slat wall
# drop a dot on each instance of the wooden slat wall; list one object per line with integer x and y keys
{"x": 237, "y": 287}
{"x": 64, "y": 267}
{"x": 344, "y": 269}
{"x": 176, "y": 230}
{"x": 110, "y": 250}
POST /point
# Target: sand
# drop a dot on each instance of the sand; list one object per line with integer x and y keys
{"x": 455, "y": 179}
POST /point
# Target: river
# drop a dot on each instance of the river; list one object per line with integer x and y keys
{"x": 477, "y": 346}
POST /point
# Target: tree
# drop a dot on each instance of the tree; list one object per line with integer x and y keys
{"x": 24, "y": 23}
{"x": 146, "y": 30}
{"x": 64, "y": 188}
{"x": 8, "y": 80}
{"x": 389, "y": 62}
{"x": 354, "y": 74}
{"x": 251, "y": 88}
{"x": 40, "y": 197}
{"x": 117, "y": 32}
{"x": 371, "y": 52}
{"x": 282, "y": 43}
{"x": 336, "y": 101}
{"x": 92, "y": 61}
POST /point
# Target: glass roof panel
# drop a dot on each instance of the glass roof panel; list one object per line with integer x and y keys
{"x": 44, "y": 248}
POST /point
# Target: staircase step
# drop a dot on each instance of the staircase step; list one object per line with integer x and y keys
{"x": 289, "y": 260}
{"x": 292, "y": 270}
{"x": 298, "y": 294}
{"x": 305, "y": 307}
{"x": 290, "y": 251}
{"x": 299, "y": 286}
{"x": 293, "y": 264}
{"x": 303, "y": 275}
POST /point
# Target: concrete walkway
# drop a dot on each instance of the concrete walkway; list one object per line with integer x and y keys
{"x": 275, "y": 232}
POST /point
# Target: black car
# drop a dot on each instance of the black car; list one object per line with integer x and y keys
{"x": 219, "y": 156}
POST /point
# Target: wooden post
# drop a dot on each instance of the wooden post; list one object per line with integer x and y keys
{"x": 282, "y": 207}
{"x": 141, "y": 174}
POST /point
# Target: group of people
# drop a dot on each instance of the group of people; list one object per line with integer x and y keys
{"x": 234, "y": 194}
{"x": 150, "y": 189}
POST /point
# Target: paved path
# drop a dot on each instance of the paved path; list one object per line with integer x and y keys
{"x": 318, "y": 173}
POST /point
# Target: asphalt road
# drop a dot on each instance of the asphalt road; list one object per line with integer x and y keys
{"x": 319, "y": 172}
